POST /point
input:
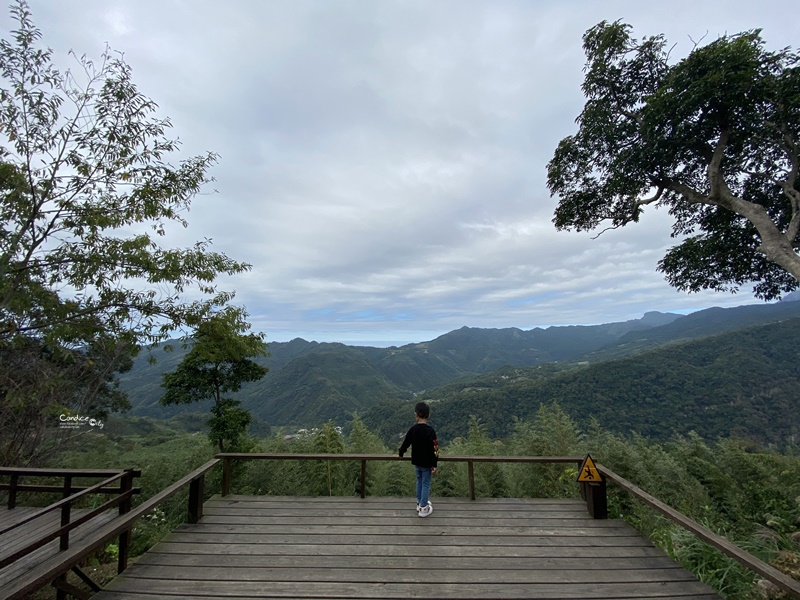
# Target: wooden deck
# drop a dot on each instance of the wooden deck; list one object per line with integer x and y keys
{"x": 17, "y": 573}
{"x": 279, "y": 547}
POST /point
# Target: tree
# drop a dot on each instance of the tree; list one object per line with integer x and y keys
{"x": 39, "y": 387}
{"x": 219, "y": 362}
{"x": 490, "y": 477}
{"x": 714, "y": 138}
{"x": 83, "y": 177}
{"x": 328, "y": 440}
{"x": 363, "y": 441}
{"x": 86, "y": 190}
{"x": 551, "y": 432}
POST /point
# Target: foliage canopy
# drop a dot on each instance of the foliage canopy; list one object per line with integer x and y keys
{"x": 714, "y": 138}
{"x": 86, "y": 190}
{"x": 219, "y": 362}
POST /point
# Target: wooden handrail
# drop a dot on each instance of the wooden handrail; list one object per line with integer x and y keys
{"x": 48, "y": 537}
{"x": 40, "y": 472}
{"x": 65, "y": 501}
{"x": 15, "y": 473}
{"x": 228, "y": 457}
{"x": 783, "y": 581}
{"x": 123, "y": 495}
{"x": 195, "y": 480}
{"x": 322, "y": 456}
{"x": 104, "y": 534}
{"x": 57, "y": 489}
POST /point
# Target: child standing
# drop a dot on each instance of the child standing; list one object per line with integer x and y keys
{"x": 424, "y": 455}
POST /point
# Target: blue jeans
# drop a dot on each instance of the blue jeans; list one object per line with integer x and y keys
{"x": 423, "y": 484}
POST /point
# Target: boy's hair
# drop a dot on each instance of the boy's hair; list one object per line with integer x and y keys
{"x": 422, "y": 410}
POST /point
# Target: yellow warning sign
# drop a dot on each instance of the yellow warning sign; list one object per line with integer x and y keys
{"x": 588, "y": 472}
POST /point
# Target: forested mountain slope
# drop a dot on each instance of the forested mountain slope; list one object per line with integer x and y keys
{"x": 311, "y": 382}
{"x": 743, "y": 383}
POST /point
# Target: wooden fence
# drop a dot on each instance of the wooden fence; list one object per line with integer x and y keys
{"x": 70, "y": 556}
{"x": 595, "y": 495}
{"x": 72, "y": 495}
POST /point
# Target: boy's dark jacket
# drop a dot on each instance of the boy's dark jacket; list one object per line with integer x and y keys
{"x": 424, "y": 445}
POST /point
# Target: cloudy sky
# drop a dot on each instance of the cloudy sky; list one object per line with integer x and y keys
{"x": 382, "y": 162}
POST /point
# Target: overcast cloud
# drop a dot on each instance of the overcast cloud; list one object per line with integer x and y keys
{"x": 383, "y": 162}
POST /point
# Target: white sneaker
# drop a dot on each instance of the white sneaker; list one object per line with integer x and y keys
{"x": 419, "y": 508}
{"x": 425, "y": 511}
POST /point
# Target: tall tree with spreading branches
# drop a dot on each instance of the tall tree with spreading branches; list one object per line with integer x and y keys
{"x": 87, "y": 191}
{"x": 714, "y": 138}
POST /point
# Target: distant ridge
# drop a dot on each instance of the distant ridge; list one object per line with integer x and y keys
{"x": 311, "y": 382}
{"x": 740, "y": 383}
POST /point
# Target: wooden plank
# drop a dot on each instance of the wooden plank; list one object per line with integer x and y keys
{"x": 384, "y": 521}
{"x": 20, "y": 537}
{"x": 51, "y": 551}
{"x": 243, "y": 551}
{"x": 415, "y": 527}
{"x": 350, "y": 548}
{"x": 188, "y": 595}
{"x": 389, "y": 574}
{"x": 295, "y": 556}
{"x": 407, "y": 540}
{"x": 420, "y": 589}
{"x": 10, "y": 516}
{"x": 410, "y": 509}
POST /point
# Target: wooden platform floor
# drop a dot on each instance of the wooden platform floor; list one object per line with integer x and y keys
{"x": 14, "y": 540}
{"x": 312, "y": 548}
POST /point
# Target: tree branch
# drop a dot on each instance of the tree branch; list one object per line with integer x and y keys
{"x": 689, "y": 194}
{"x": 715, "y": 179}
{"x": 610, "y": 228}
{"x": 655, "y": 198}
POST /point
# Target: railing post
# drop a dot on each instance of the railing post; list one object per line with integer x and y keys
{"x": 12, "y": 491}
{"x": 364, "y": 478}
{"x": 227, "y": 472}
{"x": 125, "y": 485}
{"x": 196, "y": 491}
{"x": 59, "y": 584}
{"x": 597, "y": 499}
{"x": 65, "y": 510}
{"x": 471, "y": 475}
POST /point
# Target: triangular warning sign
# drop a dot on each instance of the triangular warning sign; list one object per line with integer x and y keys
{"x": 588, "y": 472}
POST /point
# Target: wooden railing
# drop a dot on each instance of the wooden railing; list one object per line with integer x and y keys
{"x": 119, "y": 527}
{"x": 71, "y": 496}
{"x": 594, "y": 493}
{"x": 229, "y": 457}
{"x": 15, "y": 486}
{"x": 768, "y": 572}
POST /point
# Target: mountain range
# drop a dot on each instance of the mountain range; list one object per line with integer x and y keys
{"x": 310, "y": 383}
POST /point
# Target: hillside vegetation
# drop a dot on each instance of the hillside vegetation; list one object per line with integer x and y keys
{"x": 719, "y": 372}
{"x": 751, "y": 497}
{"x": 742, "y": 384}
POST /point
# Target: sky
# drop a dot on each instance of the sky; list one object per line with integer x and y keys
{"x": 383, "y": 163}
